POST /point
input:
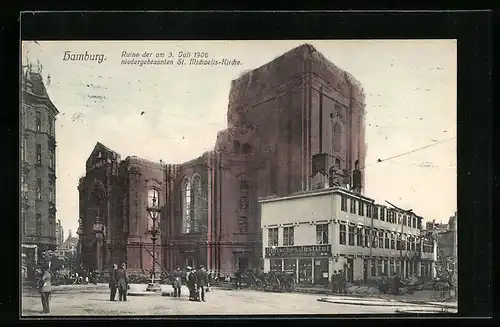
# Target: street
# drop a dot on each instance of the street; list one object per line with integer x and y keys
{"x": 91, "y": 300}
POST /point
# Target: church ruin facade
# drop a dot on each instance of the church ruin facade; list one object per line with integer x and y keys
{"x": 287, "y": 120}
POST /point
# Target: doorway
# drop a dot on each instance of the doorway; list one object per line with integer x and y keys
{"x": 350, "y": 270}
{"x": 242, "y": 264}
{"x": 321, "y": 274}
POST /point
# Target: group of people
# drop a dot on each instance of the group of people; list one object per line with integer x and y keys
{"x": 118, "y": 281}
{"x": 338, "y": 282}
{"x": 197, "y": 282}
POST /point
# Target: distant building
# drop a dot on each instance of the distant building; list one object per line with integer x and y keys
{"x": 68, "y": 248}
{"x": 59, "y": 233}
{"x": 446, "y": 239}
{"x": 38, "y": 170}
{"x": 316, "y": 232}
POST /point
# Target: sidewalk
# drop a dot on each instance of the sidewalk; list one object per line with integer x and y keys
{"x": 377, "y": 301}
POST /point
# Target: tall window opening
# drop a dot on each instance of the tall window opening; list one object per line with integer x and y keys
{"x": 236, "y": 147}
{"x": 199, "y": 204}
{"x": 337, "y": 133}
{"x": 342, "y": 236}
{"x": 38, "y": 154}
{"x": 186, "y": 206}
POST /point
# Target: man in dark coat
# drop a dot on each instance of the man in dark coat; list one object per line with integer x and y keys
{"x": 45, "y": 288}
{"x": 191, "y": 281}
{"x": 177, "y": 283}
{"x": 122, "y": 282}
{"x": 201, "y": 282}
{"x": 334, "y": 281}
{"x": 113, "y": 282}
{"x": 396, "y": 284}
{"x": 237, "y": 276}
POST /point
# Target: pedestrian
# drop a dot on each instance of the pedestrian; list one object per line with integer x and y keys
{"x": 177, "y": 283}
{"x": 113, "y": 282}
{"x": 122, "y": 282}
{"x": 396, "y": 284}
{"x": 334, "y": 282}
{"x": 45, "y": 288}
{"x": 201, "y": 282}
{"x": 237, "y": 276}
{"x": 192, "y": 285}
{"x": 341, "y": 282}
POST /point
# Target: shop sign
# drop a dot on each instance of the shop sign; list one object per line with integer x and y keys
{"x": 313, "y": 251}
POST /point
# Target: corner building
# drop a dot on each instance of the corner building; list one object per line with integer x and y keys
{"x": 315, "y": 233}
{"x": 38, "y": 170}
{"x": 279, "y": 116}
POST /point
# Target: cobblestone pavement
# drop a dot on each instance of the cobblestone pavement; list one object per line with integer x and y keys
{"x": 91, "y": 300}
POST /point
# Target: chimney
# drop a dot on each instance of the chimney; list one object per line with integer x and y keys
{"x": 69, "y": 233}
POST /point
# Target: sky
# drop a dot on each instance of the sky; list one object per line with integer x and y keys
{"x": 410, "y": 86}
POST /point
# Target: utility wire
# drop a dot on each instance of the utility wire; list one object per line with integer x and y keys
{"x": 412, "y": 151}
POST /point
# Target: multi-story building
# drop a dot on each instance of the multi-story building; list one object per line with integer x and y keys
{"x": 293, "y": 116}
{"x": 317, "y": 232}
{"x": 38, "y": 169}
{"x": 59, "y": 233}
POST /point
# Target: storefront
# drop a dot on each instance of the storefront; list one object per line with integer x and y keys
{"x": 309, "y": 263}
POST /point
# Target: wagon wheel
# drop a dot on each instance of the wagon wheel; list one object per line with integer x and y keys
{"x": 290, "y": 285}
{"x": 276, "y": 285}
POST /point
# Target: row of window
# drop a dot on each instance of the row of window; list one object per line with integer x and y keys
{"x": 364, "y": 237}
{"x": 38, "y": 222}
{"x": 356, "y": 236}
{"x": 378, "y": 212}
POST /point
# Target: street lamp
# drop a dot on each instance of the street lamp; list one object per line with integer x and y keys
{"x": 153, "y": 212}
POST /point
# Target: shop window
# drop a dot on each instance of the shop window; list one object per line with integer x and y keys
{"x": 351, "y": 236}
{"x": 359, "y": 236}
{"x": 373, "y": 267}
{"x": 290, "y": 265}
{"x": 288, "y": 235}
{"x": 305, "y": 270}
{"x": 322, "y": 234}
{"x": 276, "y": 264}
{"x": 342, "y": 236}
{"x": 353, "y": 206}
{"x": 343, "y": 203}
{"x": 272, "y": 237}
{"x": 361, "y": 208}
{"x": 39, "y": 121}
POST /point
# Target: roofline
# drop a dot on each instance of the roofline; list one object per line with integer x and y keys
{"x": 330, "y": 190}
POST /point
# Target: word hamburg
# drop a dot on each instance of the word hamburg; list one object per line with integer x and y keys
{"x": 68, "y": 56}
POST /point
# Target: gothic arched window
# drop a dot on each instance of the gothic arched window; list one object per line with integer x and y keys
{"x": 337, "y": 134}
{"x": 186, "y": 206}
{"x": 199, "y": 204}
{"x": 337, "y": 164}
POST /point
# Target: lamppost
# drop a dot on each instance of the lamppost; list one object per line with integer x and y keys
{"x": 153, "y": 212}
